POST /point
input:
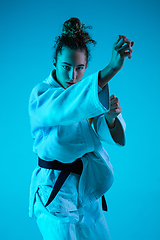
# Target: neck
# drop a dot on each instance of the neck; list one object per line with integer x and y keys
{"x": 55, "y": 77}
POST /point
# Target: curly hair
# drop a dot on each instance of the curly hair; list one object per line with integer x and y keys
{"x": 74, "y": 37}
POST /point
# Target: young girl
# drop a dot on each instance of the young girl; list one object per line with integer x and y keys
{"x": 70, "y": 116}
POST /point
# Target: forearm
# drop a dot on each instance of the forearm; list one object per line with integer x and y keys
{"x": 117, "y": 132}
{"x": 106, "y": 75}
{"x": 110, "y": 123}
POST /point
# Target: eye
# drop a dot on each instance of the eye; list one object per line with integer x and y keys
{"x": 66, "y": 67}
{"x": 79, "y": 68}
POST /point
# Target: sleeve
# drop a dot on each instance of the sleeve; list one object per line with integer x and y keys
{"x": 115, "y": 135}
{"x": 51, "y": 106}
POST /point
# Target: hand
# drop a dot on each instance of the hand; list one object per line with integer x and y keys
{"x": 115, "y": 109}
{"x": 120, "y": 51}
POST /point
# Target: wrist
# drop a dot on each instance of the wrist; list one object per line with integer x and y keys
{"x": 113, "y": 68}
{"x": 106, "y": 75}
{"x": 110, "y": 122}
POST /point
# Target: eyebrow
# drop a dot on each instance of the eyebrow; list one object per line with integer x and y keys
{"x": 80, "y": 65}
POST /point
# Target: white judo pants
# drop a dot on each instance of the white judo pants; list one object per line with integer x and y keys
{"x": 87, "y": 223}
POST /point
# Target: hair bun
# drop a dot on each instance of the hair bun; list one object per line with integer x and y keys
{"x": 74, "y": 36}
{"x": 71, "y": 27}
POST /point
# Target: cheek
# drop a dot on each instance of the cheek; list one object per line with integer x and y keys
{"x": 63, "y": 74}
{"x": 81, "y": 73}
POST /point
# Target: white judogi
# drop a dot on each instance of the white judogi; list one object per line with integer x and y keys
{"x": 61, "y": 131}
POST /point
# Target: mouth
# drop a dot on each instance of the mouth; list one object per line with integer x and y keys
{"x": 69, "y": 83}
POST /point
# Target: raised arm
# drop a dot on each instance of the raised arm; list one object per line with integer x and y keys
{"x": 51, "y": 106}
{"x": 122, "y": 48}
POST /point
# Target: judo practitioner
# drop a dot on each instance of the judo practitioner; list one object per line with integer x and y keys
{"x": 70, "y": 116}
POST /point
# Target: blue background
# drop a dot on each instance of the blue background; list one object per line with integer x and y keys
{"x": 27, "y": 31}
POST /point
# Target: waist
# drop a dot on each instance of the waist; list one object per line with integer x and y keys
{"x": 75, "y": 167}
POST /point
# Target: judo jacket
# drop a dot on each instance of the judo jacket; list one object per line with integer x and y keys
{"x": 61, "y": 131}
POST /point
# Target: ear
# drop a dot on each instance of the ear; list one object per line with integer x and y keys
{"x": 54, "y": 62}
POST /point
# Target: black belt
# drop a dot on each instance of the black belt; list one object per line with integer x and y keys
{"x": 66, "y": 169}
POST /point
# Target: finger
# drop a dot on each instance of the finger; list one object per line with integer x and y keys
{"x": 114, "y": 100}
{"x": 117, "y": 40}
{"x": 112, "y": 96}
{"x": 123, "y": 41}
{"x": 115, "y": 112}
{"x": 126, "y": 54}
{"x": 119, "y": 44}
{"x": 124, "y": 45}
{"x": 124, "y": 48}
{"x": 115, "y": 106}
{"x": 125, "y": 38}
{"x": 113, "y": 109}
{"x": 122, "y": 36}
{"x": 130, "y": 56}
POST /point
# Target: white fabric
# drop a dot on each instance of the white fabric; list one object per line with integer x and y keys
{"x": 84, "y": 223}
{"x": 61, "y": 131}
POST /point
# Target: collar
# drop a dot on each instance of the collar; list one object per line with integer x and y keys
{"x": 51, "y": 79}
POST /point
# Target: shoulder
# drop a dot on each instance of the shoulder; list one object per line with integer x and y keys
{"x": 40, "y": 88}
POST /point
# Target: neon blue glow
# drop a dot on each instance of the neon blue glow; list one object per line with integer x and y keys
{"x": 28, "y": 29}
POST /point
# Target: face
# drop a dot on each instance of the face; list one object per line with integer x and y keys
{"x": 70, "y": 66}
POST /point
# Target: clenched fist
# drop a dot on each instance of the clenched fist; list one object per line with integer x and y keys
{"x": 115, "y": 110}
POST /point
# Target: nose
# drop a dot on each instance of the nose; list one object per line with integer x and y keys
{"x": 72, "y": 75}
